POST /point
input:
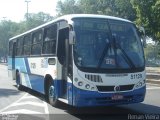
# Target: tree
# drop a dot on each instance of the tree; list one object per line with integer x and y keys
{"x": 88, "y": 6}
{"x": 148, "y": 15}
{"x": 35, "y": 20}
{"x": 68, "y": 7}
{"x": 7, "y": 30}
{"x": 119, "y": 8}
{"x": 156, "y": 20}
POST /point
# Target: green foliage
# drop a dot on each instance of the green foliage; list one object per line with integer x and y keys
{"x": 68, "y": 7}
{"x": 88, "y": 6}
{"x": 35, "y": 20}
{"x": 119, "y": 8}
{"x": 7, "y": 29}
{"x": 148, "y": 15}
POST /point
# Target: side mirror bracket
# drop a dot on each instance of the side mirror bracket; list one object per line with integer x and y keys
{"x": 143, "y": 36}
{"x": 71, "y": 37}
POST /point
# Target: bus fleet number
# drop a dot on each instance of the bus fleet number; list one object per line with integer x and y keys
{"x": 136, "y": 76}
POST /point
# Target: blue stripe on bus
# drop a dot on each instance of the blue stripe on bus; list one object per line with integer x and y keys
{"x": 27, "y": 80}
{"x": 37, "y": 83}
{"x": 59, "y": 90}
{"x": 27, "y": 65}
{"x": 20, "y": 65}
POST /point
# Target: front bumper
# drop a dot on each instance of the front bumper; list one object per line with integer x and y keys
{"x": 82, "y": 98}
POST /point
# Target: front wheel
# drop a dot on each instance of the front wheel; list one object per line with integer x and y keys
{"x": 52, "y": 99}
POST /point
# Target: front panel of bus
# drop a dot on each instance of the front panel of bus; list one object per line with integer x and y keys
{"x": 109, "y": 65}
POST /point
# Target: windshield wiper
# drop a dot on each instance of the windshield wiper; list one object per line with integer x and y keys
{"x": 105, "y": 51}
{"x": 126, "y": 57}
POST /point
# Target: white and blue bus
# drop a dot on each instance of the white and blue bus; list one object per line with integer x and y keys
{"x": 82, "y": 60}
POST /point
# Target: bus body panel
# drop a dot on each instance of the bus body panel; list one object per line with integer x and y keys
{"x": 33, "y": 71}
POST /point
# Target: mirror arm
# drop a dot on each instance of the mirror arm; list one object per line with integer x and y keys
{"x": 71, "y": 37}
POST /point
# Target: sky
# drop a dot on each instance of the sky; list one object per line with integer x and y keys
{"x": 14, "y": 10}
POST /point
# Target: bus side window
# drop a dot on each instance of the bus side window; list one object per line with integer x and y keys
{"x": 10, "y": 48}
{"x": 37, "y": 41}
{"x": 50, "y": 37}
{"x": 27, "y": 44}
{"x": 19, "y": 49}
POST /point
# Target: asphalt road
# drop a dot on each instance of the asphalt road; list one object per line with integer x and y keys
{"x": 29, "y": 105}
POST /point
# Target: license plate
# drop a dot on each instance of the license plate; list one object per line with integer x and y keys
{"x": 117, "y": 97}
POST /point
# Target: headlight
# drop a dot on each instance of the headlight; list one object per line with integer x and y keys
{"x": 87, "y": 86}
{"x": 76, "y": 79}
{"x": 80, "y": 83}
{"x": 84, "y": 85}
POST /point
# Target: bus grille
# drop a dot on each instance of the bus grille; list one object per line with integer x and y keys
{"x": 111, "y": 88}
{"x": 94, "y": 78}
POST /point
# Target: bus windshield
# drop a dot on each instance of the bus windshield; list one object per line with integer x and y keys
{"x": 107, "y": 44}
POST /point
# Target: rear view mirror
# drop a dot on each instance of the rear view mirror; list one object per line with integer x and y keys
{"x": 141, "y": 30}
{"x": 71, "y": 37}
{"x": 143, "y": 36}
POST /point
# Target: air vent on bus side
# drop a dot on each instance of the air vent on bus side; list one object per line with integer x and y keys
{"x": 94, "y": 78}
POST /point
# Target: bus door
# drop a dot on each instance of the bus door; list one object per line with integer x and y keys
{"x": 63, "y": 58}
{"x": 13, "y": 60}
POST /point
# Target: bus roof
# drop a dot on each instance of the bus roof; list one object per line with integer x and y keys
{"x": 69, "y": 18}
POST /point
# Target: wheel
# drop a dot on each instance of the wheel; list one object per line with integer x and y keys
{"x": 52, "y": 99}
{"x": 18, "y": 83}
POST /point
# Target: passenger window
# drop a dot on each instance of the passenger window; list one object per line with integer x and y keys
{"x": 37, "y": 41}
{"x": 27, "y": 50}
{"x": 19, "y": 49}
{"x": 27, "y": 40}
{"x": 36, "y": 49}
{"x": 50, "y": 37}
{"x": 37, "y": 37}
{"x": 27, "y": 44}
{"x": 10, "y": 48}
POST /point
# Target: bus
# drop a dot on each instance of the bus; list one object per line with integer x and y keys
{"x": 82, "y": 60}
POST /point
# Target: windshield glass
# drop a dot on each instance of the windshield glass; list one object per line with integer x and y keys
{"x": 107, "y": 44}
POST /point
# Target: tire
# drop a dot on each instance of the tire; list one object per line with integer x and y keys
{"x": 18, "y": 81}
{"x": 51, "y": 95}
